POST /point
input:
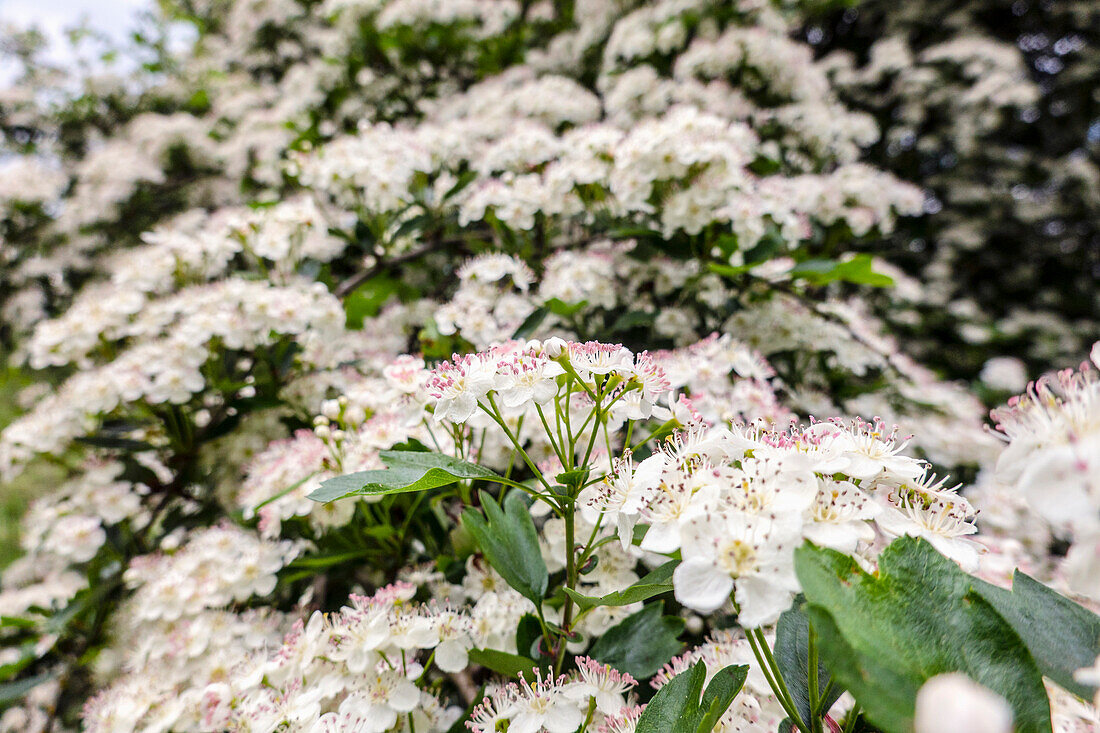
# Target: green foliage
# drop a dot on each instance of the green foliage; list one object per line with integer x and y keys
{"x": 677, "y": 706}
{"x": 792, "y": 653}
{"x": 884, "y": 635}
{"x": 407, "y": 471}
{"x": 509, "y": 665}
{"x": 509, "y": 541}
{"x": 1061, "y": 635}
{"x": 529, "y": 636}
{"x": 656, "y": 582}
{"x": 856, "y": 270}
{"x": 642, "y": 643}
{"x": 367, "y": 299}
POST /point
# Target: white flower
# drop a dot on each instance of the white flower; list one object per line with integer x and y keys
{"x": 954, "y": 703}
{"x": 526, "y": 379}
{"x": 838, "y": 517}
{"x": 623, "y": 493}
{"x": 457, "y": 386}
{"x": 542, "y": 705}
{"x": 750, "y": 555}
{"x": 926, "y": 509}
{"x": 593, "y": 357}
{"x": 602, "y": 683}
{"x": 1082, "y": 565}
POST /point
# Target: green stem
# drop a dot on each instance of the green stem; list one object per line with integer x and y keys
{"x": 825, "y": 696}
{"x": 815, "y": 699}
{"x": 550, "y": 434}
{"x": 775, "y": 669}
{"x": 850, "y": 722}
{"x": 495, "y": 414}
{"x": 774, "y": 677}
{"x": 570, "y": 578}
{"x": 588, "y": 718}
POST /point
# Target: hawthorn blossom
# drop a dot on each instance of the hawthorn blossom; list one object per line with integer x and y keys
{"x": 749, "y": 555}
{"x": 925, "y": 508}
{"x": 458, "y": 385}
{"x": 954, "y": 703}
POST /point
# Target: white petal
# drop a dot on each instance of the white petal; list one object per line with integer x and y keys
{"x": 404, "y": 696}
{"x": 451, "y": 656}
{"x": 662, "y": 538}
{"x": 761, "y": 601}
{"x": 700, "y": 585}
{"x": 563, "y": 717}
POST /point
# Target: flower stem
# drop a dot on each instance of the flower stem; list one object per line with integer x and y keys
{"x": 815, "y": 699}
{"x": 570, "y": 577}
{"x": 774, "y": 677}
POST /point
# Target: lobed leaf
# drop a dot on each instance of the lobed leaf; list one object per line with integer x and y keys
{"x": 884, "y": 635}
{"x": 677, "y": 706}
{"x": 642, "y": 643}
{"x": 1061, "y": 635}
{"x": 509, "y": 541}
{"x": 656, "y": 582}
{"x": 407, "y": 471}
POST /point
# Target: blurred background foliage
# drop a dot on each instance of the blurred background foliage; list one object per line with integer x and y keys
{"x": 992, "y": 107}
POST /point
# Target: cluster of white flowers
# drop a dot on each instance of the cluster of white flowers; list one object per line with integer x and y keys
{"x": 174, "y": 341}
{"x": 593, "y": 693}
{"x": 524, "y": 376}
{"x": 486, "y": 308}
{"x": 71, "y": 523}
{"x": 352, "y": 670}
{"x": 1052, "y": 460}
{"x": 216, "y": 567}
{"x": 736, "y": 503}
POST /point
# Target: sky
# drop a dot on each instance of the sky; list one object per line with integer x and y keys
{"x": 53, "y": 17}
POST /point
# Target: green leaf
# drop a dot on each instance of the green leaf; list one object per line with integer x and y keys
{"x": 17, "y": 622}
{"x": 559, "y": 307}
{"x": 367, "y": 299}
{"x": 510, "y": 543}
{"x": 642, "y": 643}
{"x": 654, "y": 583}
{"x": 408, "y": 471}
{"x": 325, "y": 561}
{"x": 792, "y": 644}
{"x": 720, "y": 693}
{"x": 730, "y": 270}
{"x": 677, "y": 706}
{"x": 634, "y": 232}
{"x": 528, "y": 635}
{"x": 531, "y": 323}
{"x": 509, "y": 665}
{"x": 28, "y": 652}
{"x": 884, "y": 635}
{"x": 856, "y": 270}
{"x": 12, "y": 691}
{"x": 633, "y": 319}
{"x": 576, "y": 478}
{"x": 1061, "y": 635}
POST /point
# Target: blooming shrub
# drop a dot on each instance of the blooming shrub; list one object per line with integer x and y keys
{"x": 521, "y": 367}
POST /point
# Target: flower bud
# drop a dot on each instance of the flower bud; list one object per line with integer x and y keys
{"x": 954, "y": 703}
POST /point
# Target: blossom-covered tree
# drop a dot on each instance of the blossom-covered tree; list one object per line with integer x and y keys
{"x": 515, "y": 366}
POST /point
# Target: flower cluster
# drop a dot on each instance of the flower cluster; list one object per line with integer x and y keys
{"x": 1051, "y": 461}
{"x": 736, "y": 503}
{"x": 588, "y": 696}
